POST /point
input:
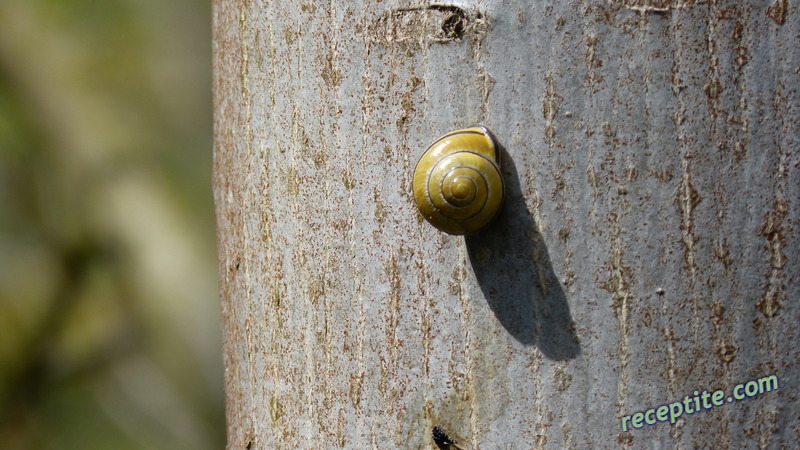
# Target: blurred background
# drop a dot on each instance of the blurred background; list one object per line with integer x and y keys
{"x": 109, "y": 333}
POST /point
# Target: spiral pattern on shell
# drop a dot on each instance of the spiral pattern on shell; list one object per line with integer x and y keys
{"x": 458, "y": 186}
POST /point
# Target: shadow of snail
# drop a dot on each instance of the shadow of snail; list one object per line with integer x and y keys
{"x": 460, "y": 189}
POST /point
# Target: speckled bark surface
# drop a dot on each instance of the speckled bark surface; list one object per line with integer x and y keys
{"x": 648, "y": 247}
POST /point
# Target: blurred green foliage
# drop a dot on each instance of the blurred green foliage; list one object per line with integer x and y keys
{"x": 109, "y": 333}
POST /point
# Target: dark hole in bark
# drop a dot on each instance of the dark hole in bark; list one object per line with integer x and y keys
{"x": 453, "y": 26}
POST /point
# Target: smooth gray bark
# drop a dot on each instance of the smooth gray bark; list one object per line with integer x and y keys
{"x": 648, "y": 247}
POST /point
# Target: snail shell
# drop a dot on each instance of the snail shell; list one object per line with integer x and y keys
{"x": 458, "y": 186}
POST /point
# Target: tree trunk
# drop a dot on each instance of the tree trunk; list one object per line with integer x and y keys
{"x": 647, "y": 250}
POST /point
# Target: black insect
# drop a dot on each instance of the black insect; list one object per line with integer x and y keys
{"x": 441, "y": 438}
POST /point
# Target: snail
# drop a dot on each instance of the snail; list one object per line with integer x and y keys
{"x": 457, "y": 183}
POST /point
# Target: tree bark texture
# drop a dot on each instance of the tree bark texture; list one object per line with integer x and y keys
{"x": 648, "y": 247}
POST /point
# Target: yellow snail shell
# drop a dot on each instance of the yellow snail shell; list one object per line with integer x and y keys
{"x": 458, "y": 186}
